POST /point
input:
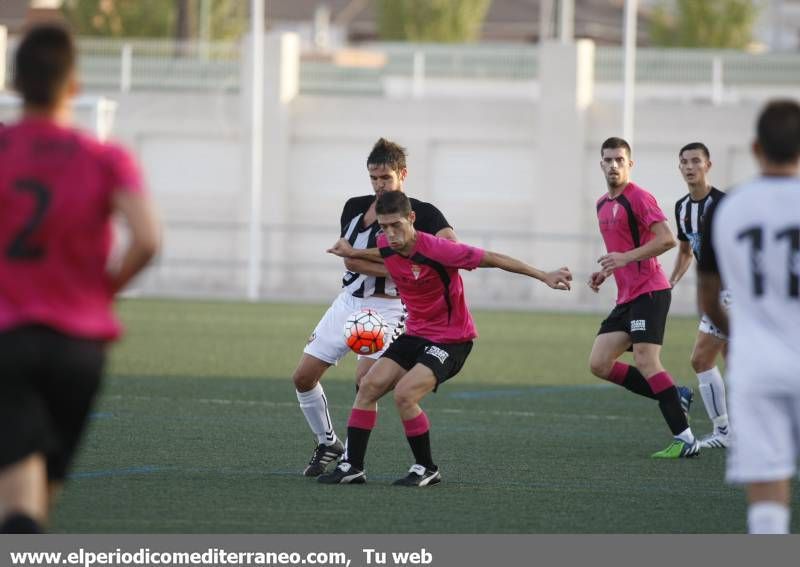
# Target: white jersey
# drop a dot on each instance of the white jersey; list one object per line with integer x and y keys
{"x": 755, "y": 237}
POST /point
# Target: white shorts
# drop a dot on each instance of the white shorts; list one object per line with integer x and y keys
{"x": 327, "y": 341}
{"x": 765, "y": 430}
{"x": 707, "y": 327}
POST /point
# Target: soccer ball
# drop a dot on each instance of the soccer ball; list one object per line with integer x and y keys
{"x": 365, "y": 331}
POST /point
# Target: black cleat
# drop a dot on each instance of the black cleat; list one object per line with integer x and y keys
{"x": 420, "y": 476}
{"x": 344, "y": 473}
{"x": 322, "y": 457}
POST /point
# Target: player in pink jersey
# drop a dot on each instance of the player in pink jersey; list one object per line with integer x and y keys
{"x": 636, "y": 232}
{"x": 438, "y": 338}
{"x": 58, "y": 190}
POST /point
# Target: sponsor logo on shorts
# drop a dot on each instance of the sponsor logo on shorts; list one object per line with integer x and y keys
{"x": 638, "y": 325}
{"x": 311, "y": 338}
{"x": 437, "y": 352}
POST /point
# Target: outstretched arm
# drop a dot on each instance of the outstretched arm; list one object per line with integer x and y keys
{"x": 366, "y": 267}
{"x": 664, "y": 240}
{"x": 558, "y": 279}
{"x": 343, "y": 249}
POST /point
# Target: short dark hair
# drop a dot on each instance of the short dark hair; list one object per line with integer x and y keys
{"x": 696, "y": 146}
{"x": 778, "y": 131}
{"x": 613, "y": 143}
{"x": 387, "y": 153}
{"x": 393, "y": 202}
{"x": 42, "y": 64}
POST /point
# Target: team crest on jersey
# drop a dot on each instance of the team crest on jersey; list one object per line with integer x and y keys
{"x": 416, "y": 269}
{"x": 614, "y": 210}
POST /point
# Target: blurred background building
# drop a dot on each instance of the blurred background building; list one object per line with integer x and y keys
{"x": 503, "y": 116}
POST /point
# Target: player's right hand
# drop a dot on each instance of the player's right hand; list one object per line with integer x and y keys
{"x": 559, "y": 279}
{"x": 341, "y": 248}
{"x": 596, "y": 280}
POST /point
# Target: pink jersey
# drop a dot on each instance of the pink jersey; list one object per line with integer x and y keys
{"x": 431, "y": 287}
{"x": 625, "y": 223}
{"x": 56, "y": 188}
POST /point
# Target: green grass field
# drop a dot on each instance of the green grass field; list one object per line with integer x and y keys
{"x": 198, "y": 430}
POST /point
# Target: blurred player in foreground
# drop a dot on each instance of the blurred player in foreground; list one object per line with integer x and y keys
{"x": 752, "y": 245}
{"x": 58, "y": 191}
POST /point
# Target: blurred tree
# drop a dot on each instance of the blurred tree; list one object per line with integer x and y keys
{"x": 431, "y": 20}
{"x": 155, "y": 18}
{"x": 706, "y": 23}
{"x": 120, "y": 18}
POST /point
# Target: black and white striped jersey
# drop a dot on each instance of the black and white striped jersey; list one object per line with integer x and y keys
{"x": 689, "y": 217}
{"x": 428, "y": 219}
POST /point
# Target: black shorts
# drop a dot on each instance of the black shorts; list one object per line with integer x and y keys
{"x": 644, "y": 318}
{"x": 48, "y": 383}
{"x": 444, "y": 359}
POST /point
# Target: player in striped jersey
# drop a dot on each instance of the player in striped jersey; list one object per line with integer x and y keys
{"x": 694, "y": 162}
{"x": 752, "y": 243}
{"x": 366, "y": 284}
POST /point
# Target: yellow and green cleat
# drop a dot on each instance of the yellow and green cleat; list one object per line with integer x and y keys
{"x": 678, "y": 450}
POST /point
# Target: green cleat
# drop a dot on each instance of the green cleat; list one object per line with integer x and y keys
{"x": 678, "y": 450}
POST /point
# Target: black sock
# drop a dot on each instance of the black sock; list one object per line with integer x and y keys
{"x": 636, "y": 383}
{"x": 669, "y": 402}
{"x": 19, "y": 523}
{"x": 357, "y": 440}
{"x": 421, "y": 447}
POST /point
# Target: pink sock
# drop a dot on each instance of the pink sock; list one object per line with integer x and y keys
{"x": 363, "y": 419}
{"x": 660, "y": 382}
{"x": 618, "y": 373}
{"x": 417, "y": 425}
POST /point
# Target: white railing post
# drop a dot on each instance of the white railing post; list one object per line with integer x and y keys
{"x": 125, "y": 68}
{"x": 717, "y": 87}
{"x": 418, "y": 84}
{"x": 256, "y": 149}
{"x": 3, "y": 48}
{"x": 629, "y": 81}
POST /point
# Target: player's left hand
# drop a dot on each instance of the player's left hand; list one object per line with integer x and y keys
{"x": 341, "y": 248}
{"x": 559, "y": 279}
{"x": 612, "y": 261}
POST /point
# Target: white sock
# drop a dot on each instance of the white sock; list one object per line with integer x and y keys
{"x": 686, "y": 435}
{"x": 768, "y": 517}
{"x": 712, "y": 390}
{"x": 315, "y": 407}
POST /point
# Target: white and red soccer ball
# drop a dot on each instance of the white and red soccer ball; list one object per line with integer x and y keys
{"x": 365, "y": 331}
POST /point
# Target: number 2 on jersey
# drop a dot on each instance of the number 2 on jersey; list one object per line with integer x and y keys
{"x": 756, "y": 237}
{"x": 21, "y": 247}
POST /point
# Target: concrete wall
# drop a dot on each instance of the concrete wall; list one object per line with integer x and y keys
{"x": 476, "y": 160}
{"x": 516, "y": 176}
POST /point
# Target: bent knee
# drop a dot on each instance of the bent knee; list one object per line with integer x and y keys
{"x": 701, "y": 361}
{"x": 368, "y": 391}
{"x": 600, "y": 367}
{"x": 304, "y": 382}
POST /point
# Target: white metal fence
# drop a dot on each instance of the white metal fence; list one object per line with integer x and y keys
{"x": 153, "y": 65}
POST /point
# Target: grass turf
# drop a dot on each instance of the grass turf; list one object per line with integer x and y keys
{"x": 198, "y": 430}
